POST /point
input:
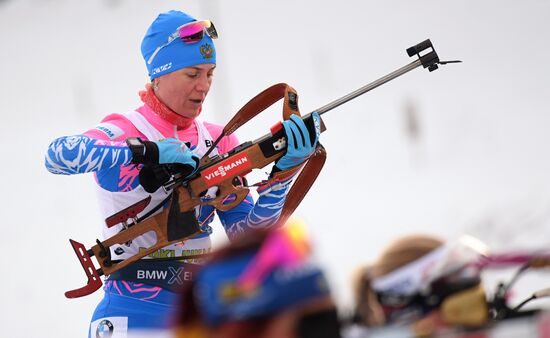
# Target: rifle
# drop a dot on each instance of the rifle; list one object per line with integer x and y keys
{"x": 178, "y": 222}
{"x": 499, "y": 307}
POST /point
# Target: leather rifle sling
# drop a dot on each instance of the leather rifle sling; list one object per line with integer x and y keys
{"x": 261, "y": 102}
{"x": 310, "y": 169}
{"x": 303, "y": 182}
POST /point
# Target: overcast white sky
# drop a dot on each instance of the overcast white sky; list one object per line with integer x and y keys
{"x": 478, "y": 163}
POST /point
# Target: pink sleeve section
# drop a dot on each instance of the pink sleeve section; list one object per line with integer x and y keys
{"x": 228, "y": 143}
{"x": 114, "y": 127}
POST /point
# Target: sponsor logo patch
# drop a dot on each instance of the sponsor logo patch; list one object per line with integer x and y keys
{"x": 111, "y": 130}
{"x": 104, "y": 329}
{"x": 230, "y": 167}
{"x": 109, "y": 327}
{"x": 172, "y": 275}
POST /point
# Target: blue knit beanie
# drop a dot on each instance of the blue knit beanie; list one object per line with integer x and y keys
{"x": 177, "y": 54}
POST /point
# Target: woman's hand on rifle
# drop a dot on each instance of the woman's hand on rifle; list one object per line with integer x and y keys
{"x": 301, "y": 141}
{"x": 156, "y": 155}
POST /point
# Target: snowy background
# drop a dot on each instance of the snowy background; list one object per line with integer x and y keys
{"x": 460, "y": 150}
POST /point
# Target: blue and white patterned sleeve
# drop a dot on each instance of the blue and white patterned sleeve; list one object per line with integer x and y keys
{"x": 263, "y": 214}
{"x": 79, "y": 154}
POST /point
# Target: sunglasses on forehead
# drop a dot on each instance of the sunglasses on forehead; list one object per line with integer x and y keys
{"x": 191, "y": 32}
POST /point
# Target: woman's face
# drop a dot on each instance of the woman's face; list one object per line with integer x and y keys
{"x": 184, "y": 90}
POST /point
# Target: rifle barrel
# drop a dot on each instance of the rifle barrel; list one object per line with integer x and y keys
{"x": 369, "y": 87}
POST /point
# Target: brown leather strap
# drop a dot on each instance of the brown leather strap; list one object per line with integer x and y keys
{"x": 256, "y": 105}
{"x": 303, "y": 182}
{"x": 263, "y": 101}
{"x": 308, "y": 171}
{"x": 311, "y": 169}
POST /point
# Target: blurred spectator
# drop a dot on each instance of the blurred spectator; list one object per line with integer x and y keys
{"x": 264, "y": 284}
{"x": 424, "y": 281}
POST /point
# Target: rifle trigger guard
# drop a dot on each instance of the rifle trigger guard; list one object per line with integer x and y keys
{"x": 227, "y": 191}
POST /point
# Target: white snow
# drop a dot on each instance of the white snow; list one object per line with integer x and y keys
{"x": 477, "y": 162}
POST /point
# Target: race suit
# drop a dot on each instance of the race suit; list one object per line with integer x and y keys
{"x": 129, "y": 305}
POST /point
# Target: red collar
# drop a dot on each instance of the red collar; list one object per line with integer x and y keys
{"x": 150, "y": 99}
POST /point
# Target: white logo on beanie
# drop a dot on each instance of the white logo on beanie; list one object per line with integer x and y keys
{"x": 161, "y": 68}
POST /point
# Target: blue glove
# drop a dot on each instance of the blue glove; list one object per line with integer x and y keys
{"x": 162, "y": 159}
{"x": 171, "y": 150}
{"x": 299, "y": 146}
{"x": 165, "y": 151}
